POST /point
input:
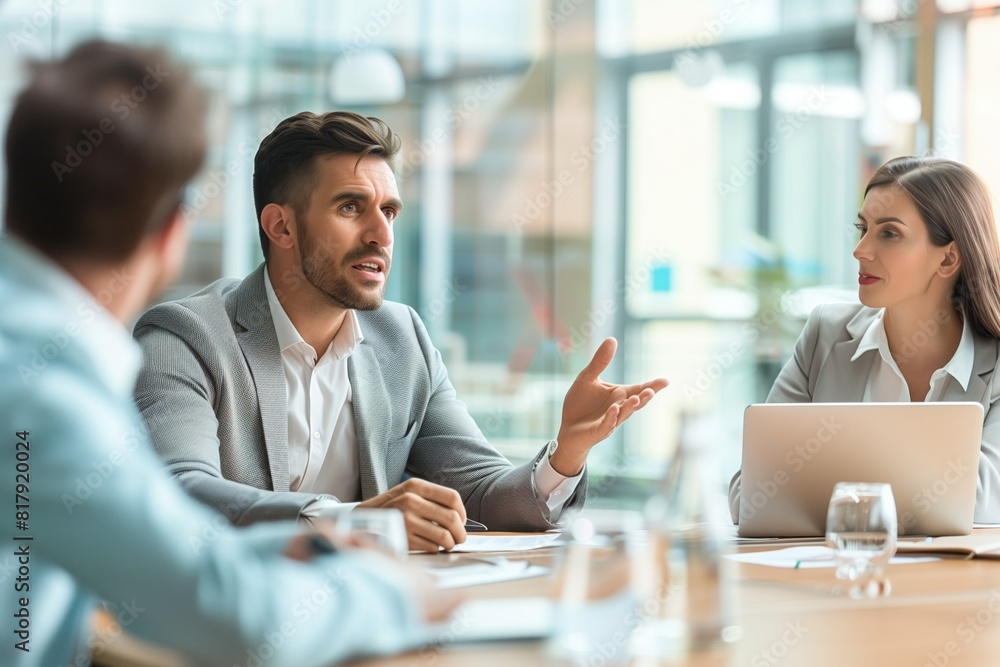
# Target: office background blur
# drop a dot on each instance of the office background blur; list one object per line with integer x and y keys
{"x": 682, "y": 175}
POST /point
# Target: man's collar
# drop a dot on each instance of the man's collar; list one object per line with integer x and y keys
{"x": 286, "y": 332}
{"x": 344, "y": 343}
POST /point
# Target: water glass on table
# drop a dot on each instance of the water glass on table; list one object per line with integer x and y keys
{"x": 861, "y": 528}
{"x": 383, "y": 528}
{"x": 597, "y": 588}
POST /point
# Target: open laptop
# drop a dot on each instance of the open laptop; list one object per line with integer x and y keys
{"x": 794, "y": 454}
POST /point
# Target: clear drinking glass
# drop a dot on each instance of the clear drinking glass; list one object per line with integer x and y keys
{"x": 597, "y": 588}
{"x": 385, "y": 528}
{"x": 691, "y": 607}
{"x": 861, "y": 527}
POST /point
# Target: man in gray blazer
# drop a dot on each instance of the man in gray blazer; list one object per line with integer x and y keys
{"x": 299, "y": 393}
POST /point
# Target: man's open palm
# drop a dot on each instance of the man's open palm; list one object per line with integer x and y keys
{"x": 593, "y": 409}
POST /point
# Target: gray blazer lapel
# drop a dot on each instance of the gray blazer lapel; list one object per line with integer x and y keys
{"x": 260, "y": 349}
{"x": 845, "y": 380}
{"x": 371, "y": 418}
{"x": 983, "y": 364}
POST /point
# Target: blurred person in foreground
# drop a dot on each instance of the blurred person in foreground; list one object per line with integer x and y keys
{"x": 99, "y": 149}
{"x": 300, "y": 392}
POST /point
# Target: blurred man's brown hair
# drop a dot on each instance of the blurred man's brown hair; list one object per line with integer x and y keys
{"x": 99, "y": 148}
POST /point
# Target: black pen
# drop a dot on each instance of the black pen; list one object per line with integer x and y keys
{"x": 320, "y": 546}
{"x": 472, "y": 526}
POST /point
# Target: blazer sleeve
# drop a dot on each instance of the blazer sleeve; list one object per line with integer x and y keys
{"x": 451, "y": 450}
{"x": 988, "y": 483}
{"x": 176, "y": 394}
{"x": 793, "y": 385}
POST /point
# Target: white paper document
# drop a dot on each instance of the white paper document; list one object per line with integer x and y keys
{"x": 454, "y": 572}
{"x": 483, "y": 543}
{"x": 731, "y": 533}
{"x": 495, "y": 620}
{"x": 806, "y": 557}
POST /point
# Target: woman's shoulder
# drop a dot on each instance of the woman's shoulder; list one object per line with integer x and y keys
{"x": 986, "y": 350}
{"x": 842, "y": 315}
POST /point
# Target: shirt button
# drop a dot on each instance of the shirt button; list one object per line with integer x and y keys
{"x": 316, "y": 434}
{"x": 557, "y": 493}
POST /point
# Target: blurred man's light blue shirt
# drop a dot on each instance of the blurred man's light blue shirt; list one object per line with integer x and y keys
{"x": 106, "y": 522}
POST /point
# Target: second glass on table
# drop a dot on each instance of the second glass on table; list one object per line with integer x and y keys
{"x": 861, "y": 527}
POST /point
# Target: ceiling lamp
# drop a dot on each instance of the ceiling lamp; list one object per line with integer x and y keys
{"x": 372, "y": 76}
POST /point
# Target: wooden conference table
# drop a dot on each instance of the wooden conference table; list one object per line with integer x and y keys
{"x": 939, "y": 613}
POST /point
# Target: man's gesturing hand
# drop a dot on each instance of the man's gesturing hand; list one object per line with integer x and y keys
{"x": 434, "y": 514}
{"x": 593, "y": 409}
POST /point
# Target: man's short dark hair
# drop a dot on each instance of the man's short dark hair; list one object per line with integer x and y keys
{"x": 98, "y": 149}
{"x": 285, "y": 165}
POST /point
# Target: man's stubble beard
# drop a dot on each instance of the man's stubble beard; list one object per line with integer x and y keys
{"x": 330, "y": 280}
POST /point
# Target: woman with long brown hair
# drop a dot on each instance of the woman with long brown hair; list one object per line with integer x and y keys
{"x": 928, "y": 327}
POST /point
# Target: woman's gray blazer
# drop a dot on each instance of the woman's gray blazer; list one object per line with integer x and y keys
{"x": 821, "y": 371}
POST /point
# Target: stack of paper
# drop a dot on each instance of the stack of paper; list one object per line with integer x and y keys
{"x": 975, "y": 545}
{"x": 453, "y": 572}
{"x": 803, "y": 558}
{"x": 483, "y": 543}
